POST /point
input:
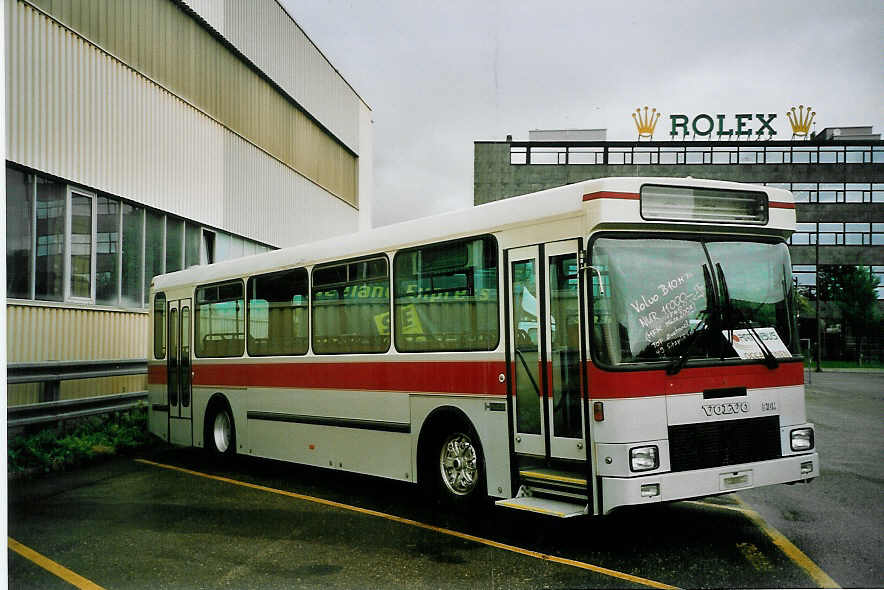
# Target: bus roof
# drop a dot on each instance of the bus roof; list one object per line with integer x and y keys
{"x": 547, "y": 205}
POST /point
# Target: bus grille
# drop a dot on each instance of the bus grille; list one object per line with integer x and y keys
{"x": 715, "y": 444}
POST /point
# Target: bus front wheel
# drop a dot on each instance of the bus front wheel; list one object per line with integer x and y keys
{"x": 456, "y": 467}
{"x": 220, "y": 436}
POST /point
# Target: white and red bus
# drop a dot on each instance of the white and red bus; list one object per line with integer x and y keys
{"x": 612, "y": 342}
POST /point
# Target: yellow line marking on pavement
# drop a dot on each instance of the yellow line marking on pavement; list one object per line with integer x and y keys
{"x": 786, "y": 546}
{"x": 755, "y": 557}
{"x": 714, "y": 505}
{"x": 536, "y": 554}
{"x": 816, "y": 573}
{"x": 53, "y": 567}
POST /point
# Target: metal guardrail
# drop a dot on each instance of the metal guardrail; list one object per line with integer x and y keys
{"x": 52, "y": 373}
{"x": 63, "y": 370}
{"x": 60, "y": 411}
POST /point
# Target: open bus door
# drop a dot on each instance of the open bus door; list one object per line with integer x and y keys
{"x": 178, "y": 372}
{"x": 546, "y": 360}
{"x": 546, "y": 351}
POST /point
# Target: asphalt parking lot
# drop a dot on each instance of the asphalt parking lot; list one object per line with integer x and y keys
{"x": 175, "y": 520}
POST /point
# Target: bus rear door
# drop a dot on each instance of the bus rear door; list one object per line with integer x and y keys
{"x": 178, "y": 372}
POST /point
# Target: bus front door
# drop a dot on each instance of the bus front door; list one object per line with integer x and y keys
{"x": 178, "y": 372}
{"x": 545, "y": 351}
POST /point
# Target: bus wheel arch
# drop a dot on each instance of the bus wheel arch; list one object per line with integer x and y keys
{"x": 219, "y": 427}
{"x": 451, "y": 462}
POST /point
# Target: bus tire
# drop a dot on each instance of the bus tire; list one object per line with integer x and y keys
{"x": 220, "y": 430}
{"x": 454, "y": 466}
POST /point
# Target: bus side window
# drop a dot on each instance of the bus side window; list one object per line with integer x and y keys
{"x": 159, "y": 326}
{"x": 351, "y": 307}
{"x": 219, "y": 318}
{"x": 278, "y": 313}
{"x": 445, "y": 296}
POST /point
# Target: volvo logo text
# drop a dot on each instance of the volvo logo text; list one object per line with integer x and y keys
{"x": 724, "y": 409}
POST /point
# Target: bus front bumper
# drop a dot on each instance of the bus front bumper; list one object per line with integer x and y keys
{"x": 668, "y": 487}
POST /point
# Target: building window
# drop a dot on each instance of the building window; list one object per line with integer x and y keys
{"x": 878, "y": 272}
{"x": 19, "y": 233}
{"x": 174, "y": 244}
{"x": 208, "y": 251}
{"x": 133, "y": 256}
{"x": 107, "y": 251}
{"x": 191, "y": 245}
{"x": 82, "y": 266}
{"x": 805, "y": 274}
{"x": 585, "y": 155}
{"x": 50, "y": 241}
{"x": 154, "y": 250}
{"x": 518, "y": 155}
{"x": 64, "y": 243}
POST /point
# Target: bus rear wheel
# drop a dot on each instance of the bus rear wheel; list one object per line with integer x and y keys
{"x": 220, "y": 434}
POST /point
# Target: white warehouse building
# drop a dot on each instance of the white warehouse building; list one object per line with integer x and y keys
{"x": 145, "y": 137}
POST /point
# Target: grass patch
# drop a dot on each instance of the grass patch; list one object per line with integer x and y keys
{"x": 54, "y": 449}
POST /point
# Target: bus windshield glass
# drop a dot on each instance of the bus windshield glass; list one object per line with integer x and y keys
{"x": 665, "y": 299}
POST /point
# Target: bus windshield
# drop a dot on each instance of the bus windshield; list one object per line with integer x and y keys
{"x": 655, "y": 300}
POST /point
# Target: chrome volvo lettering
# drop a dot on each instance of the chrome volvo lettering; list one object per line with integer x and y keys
{"x": 726, "y": 408}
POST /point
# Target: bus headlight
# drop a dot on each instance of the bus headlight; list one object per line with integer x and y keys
{"x": 801, "y": 439}
{"x": 644, "y": 458}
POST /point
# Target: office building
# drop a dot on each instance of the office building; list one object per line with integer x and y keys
{"x": 146, "y": 137}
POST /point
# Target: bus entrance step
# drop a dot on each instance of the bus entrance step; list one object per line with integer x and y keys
{"x": 563, "y": 485}
{"x": 546, "y": 506}
{"x": 542, "y": 475}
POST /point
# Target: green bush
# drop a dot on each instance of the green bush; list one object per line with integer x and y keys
{"x": 53, "y": 449}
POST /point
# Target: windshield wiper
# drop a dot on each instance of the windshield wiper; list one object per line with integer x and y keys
{"x": 687, "y": 344}
{"x": 770, "y": 361}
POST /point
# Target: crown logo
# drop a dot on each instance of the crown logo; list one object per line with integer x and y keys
{"x": 645, "y": 123}
{"x": 801, "y": 120}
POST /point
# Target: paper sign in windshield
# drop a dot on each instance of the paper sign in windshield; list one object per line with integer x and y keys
{"x": 748, "y": 348}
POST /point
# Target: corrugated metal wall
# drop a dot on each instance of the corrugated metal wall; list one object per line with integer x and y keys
{"x": 37, "y": 332}
{"x": 309, "y": 214}
{"x": 54, "y": 333}
{"x": 264, "y": 32}
{"x": 160, "y": 40}
{"x": 67, "y": 98}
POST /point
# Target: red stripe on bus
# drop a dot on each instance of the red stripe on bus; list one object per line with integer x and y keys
{"x": 477, "y": 378}
{"x": 156, "y": 374}
{"x": 480, "y": 378}
{"x": 610, "y": 195}
{"x": 619, "y": 384}
{"x": 780, "y": 205}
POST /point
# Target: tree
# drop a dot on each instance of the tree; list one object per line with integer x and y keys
{"x": 853, "y": 290}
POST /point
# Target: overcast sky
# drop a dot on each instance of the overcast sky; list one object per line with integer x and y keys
{"x": 440, "y": 75}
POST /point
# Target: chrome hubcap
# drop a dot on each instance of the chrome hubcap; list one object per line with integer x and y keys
{"x": 221, "y": 432}
{"x": 459, "y": 464}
